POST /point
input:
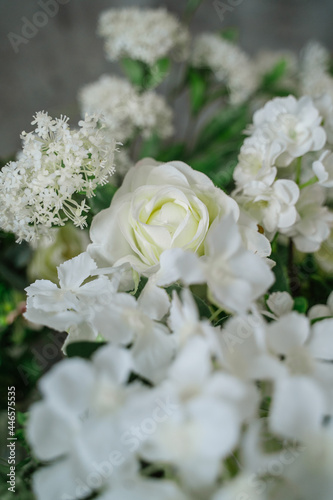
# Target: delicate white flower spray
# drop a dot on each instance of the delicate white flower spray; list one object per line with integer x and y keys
{"x": 143, "y": 34}
{"x": 199, "y": 326}
{"x": 125, "y": 111}
{"x": 38, "y": 190}
{"x": 229, "y": 64}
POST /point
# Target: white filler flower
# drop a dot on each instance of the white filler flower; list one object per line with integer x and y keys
{"x": 36, "y": 191}
{"x": 158, "y": 207}
{"x": 143, "y": 34}
{"x": 229, "y": 64}
{"x": 125, "y": 110}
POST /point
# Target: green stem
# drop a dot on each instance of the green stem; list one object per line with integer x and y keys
{"x": 215, "y": 314}
{"x": 298, "y": 170}
{"x": 313, "y": 180}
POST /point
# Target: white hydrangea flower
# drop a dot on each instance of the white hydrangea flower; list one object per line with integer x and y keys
{"x": 229, "y": 64}
{"x": 212, "y": 407}
{"x": 37, "y": 191}
{"x": 309, "y": 475}
{"x": 143, "y": 34}
{"x": 280, "y": 303}
{"x": 86, "y": 309}
{"x": 313, "y": 222}
{"x": 90, "y": 408}
{"x": 324, "y": 104}
{"x": 185, "y": 323}
{"x": 125, "y": 111}
{"x": 244, "y": 486}
{"x": 257, "y": 159}
{"x": 159, "y": 206}
{"x": 273, "y": 206}
{"x": 74, "y": 305}
{"x": 235, "y": 276}
{"x": 295, "y": 123}
{"x": 293, "y": 356}
{"x": 323, "y": 169}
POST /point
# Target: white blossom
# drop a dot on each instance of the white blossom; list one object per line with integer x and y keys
{"x": 235, "y": 276}
{"x": 37, "y": 191}
{"x": 257, "y": 159}
{"x": 323, "y": 169}
{"x": 158, "y": 206}
{"x": 273, "y": 206}
{"x": 313, "y": 222}
{"x": 143, "y": 34}
{"x": 229, "y": 64}
{"x": 125, "y": 111}
{"x": 294, "y": 123}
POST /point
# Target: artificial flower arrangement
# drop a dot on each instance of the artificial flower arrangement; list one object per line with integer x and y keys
{"x": 198, "y": 357}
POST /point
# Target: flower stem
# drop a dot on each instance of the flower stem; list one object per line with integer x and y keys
{"x": 215, "y": 314}
{"x": 298, "y": 170}
{"x": 313, "y": 180}
{"x": 294, "y": 283}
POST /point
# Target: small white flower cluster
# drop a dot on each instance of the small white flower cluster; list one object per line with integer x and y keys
{"x": 229, "y": 64}
{"x": 125, "y": 110}
{"x": 143, "y": 34}
{"x": 174, "y": 396}
{"x": 283, "y": 131}
{"x": 317, "y": 82}
{"x": 56, "y": 163}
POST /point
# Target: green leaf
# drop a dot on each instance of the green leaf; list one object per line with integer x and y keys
{"x": 150, "y": 147}
{"x": 157, "y": 73}
{"x": 172, "y": 152}
{"x": 228, "y": 123}
{"x": 301, "y": 304}
{"x": 197, "y": 90}
{"x": 280, "y": 256}
{"x": 83, "y": 349}
{"x": 102, "y": 198}
{"x": 275, "y": 74}
{"x": 134, "y": 70}
{"x": 191, "y": 6}
{"x": 230, "y": 34}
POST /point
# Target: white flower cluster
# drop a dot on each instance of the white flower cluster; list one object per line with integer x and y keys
{"x": 176, "y": 398}
{"x": 143, "y": 34}
{"x": 37, "y": 191}
{"x": 125, "y": 110}
{"x": 229, "y": 64}
{"x": 317, "y": 82}
{"x": 283, "y": 131}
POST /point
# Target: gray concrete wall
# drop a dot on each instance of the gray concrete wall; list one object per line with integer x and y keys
{"x": 61, "y": 56}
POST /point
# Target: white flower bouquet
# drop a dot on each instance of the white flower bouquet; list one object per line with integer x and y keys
{"x": 197, "y": 362}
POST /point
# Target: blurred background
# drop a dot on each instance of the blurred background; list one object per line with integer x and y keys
{"x": 43, "y": 67}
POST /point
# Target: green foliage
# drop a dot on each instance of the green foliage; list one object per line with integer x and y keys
{"x": 134, "y": 70}
{"x": 102, "y": 198}
{"x": 231, "y": 34}
{"x": 82, "y": 349}
{"x": 198, "y": 88}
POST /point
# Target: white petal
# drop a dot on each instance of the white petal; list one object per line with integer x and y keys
{"x": 288, "y": 332}
{"x": 177, "y": 264}
{"x": 298, "y": 408}
{"x": 73, "y": 272}
{"x": 321, "y": 342}
{"x": 154, "y": 301}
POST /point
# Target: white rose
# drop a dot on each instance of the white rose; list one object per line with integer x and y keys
{"x": 158, "y": 207}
